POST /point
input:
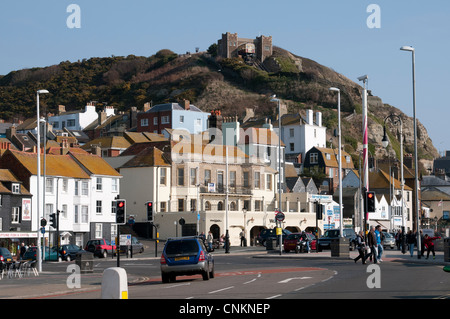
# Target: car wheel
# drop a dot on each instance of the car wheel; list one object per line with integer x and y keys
{"x": 165, "y": 278}
{"x": 68, "y": 258}
{"x": 211, "y": 273}
{"x": 205, "y": 275}
{"x": 105, "y": 254}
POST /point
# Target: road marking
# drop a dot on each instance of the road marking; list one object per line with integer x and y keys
{"x": 179, "y": 285}
{"x": 276, "y": 296}
{"x": 289, "y": 279}
{"x": 213, "y": 292}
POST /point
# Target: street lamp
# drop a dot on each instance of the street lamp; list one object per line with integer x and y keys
{"x": 416, "y": 168}
{"x": 341, "y": 231}
{"x": 396, "y": 120}
{"x": 38, "y": 151}
{"x": 274, "y": 99}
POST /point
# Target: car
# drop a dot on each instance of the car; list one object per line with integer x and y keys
{"x": 49, "y": 254}
{"x": 5, "y": 255}
{"x": 291, "y": 240}
{"x": 136, "y": 246}
{"x": 69, "y": 252}
{"x": 183, "y": 256}
{"x": 324, "y": 242}
{"x": 266, "y": 234}
{"x": 389, "y": 240}
{"x": 100, "y": 247}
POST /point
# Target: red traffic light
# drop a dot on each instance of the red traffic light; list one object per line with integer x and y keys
{"x": 120, "y": 204}
{"x": 369, "y": 195}
{"x": 149, "y": 204}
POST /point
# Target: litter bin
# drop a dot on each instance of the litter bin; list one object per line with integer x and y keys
{"x": 271, "y": 244}
{"x": 340, "y": 247}
{"x": 447, "y": 249}
{"x": 85, "y": 260}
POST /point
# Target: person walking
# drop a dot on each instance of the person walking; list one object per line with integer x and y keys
{"x": 242, "y": 237}
{"x": 380, "y": 237}
{"x": 372, "y": 244}
{"x": 422, "y": 244}
{"x": 209, "y": 240}
{"x": 428, "y": 242}
{"x": 412, "y": 241}
{"x": 361, "y": 246}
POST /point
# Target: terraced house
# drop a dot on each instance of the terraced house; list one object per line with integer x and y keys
{"x": 82, "y": 186}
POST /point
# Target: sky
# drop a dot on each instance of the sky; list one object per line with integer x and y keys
{"x": 353, "y": 37}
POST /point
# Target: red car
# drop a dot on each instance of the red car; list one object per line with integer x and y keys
{"x": 291, "y": 242}
{"x": 100, "y": 247}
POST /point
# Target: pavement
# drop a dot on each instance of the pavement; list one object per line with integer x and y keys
{"x": 56, "y": 284}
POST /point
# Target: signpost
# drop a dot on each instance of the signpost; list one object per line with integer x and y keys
{"x": 279, "y": 216}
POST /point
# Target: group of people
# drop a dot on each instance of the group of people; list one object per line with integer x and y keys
{"x": 373, "y": 248}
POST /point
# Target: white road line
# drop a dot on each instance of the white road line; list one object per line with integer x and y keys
{"x": 213, "y": 292}
{"x": 179, "y": 285}
{"x": 249, "y": 281}
{"x": 276, "y": 296}
{"x": 289, "y": 279}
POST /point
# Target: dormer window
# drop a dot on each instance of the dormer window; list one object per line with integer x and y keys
{"x": 15, "y": 188}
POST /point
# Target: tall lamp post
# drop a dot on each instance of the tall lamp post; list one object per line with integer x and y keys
{"x": 274, "y": 99}
{"x": 38, "y": 150}
{"x": 416, "y": 168}
{"x": 341, "y": 231}
{"x": 397, "y": 121}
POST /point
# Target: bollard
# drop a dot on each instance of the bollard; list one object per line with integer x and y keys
{"x": 114, "y": 283}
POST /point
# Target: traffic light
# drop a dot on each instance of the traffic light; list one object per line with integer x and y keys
{"x": 319, "y": 211}
{"x": 120, "y": 211}
{"x": 370, "y": 202}
{"x": 53, "y": 221}
{"x": 149, "y": 211}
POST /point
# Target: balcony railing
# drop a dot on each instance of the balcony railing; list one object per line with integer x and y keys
{"x": 221, "y": 189}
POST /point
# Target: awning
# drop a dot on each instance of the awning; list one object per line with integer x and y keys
{"x": 13, "y": 234}
{"x": 385, "y": 224}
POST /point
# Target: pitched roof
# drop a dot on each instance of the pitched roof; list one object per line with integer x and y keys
{"x": 380, "y": 179}
{"x": 331, "y": 161}
{"x": 56, "y": 165}
{"x": 7, "y": 176}
{"x": 94, "y": 164}
{"x": 114, "y": 142}
{"x": 148, "y": 157}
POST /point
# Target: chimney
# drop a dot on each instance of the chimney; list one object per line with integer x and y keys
{"x": 101, "y": 117}
{"x": 319, "y": 119}
{"x": 309, "y": 117}
{"x": 147, "y": 106}
{"x": 61, "y": 109}
{"x": 187, "y": 105}
{"x": 10, "y": 132}
{"x": 96, "y": 150}
{"x": 133, "y": 116}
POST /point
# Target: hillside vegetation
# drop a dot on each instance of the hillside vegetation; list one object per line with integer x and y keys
{"x": 226, "y": 84}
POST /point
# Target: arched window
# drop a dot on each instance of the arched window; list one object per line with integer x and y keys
{"x": 233, "y": 206}
{"x": 220, "y": 206}
{"x": 207, "y": 205}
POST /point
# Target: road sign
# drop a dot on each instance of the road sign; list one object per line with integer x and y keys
{"x": 125, "y": 240}
{"x": 279, "y": 216}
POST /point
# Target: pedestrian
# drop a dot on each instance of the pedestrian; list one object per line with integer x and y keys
{"x": 209, "y": 240}
{"x": 380, "y": 237}
{"x": 242, "y": 237}
{"x": 428, "y": 242}
{"x": 361, "y": 246}
{"x": 372, "y": 245}
{"x": 412, "y": 241}
{"x": 22, "y": 251}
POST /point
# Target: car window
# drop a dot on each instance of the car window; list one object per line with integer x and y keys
{"x": 182, "y": 247}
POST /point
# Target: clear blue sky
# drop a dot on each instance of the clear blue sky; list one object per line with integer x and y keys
{"x": 333, "y": 33}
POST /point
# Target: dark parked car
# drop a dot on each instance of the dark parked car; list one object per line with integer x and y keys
{"x": 266, "y": 234}
{"x": 136, "y": 245}
{"x": 49, "y": 254}
{"x": 5, "y": 255}
{"x": 324, "y": 242}
{"x": 69, "y": 252}
{"x": 100, "y": 247}
{"x": 186, "y": 256}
